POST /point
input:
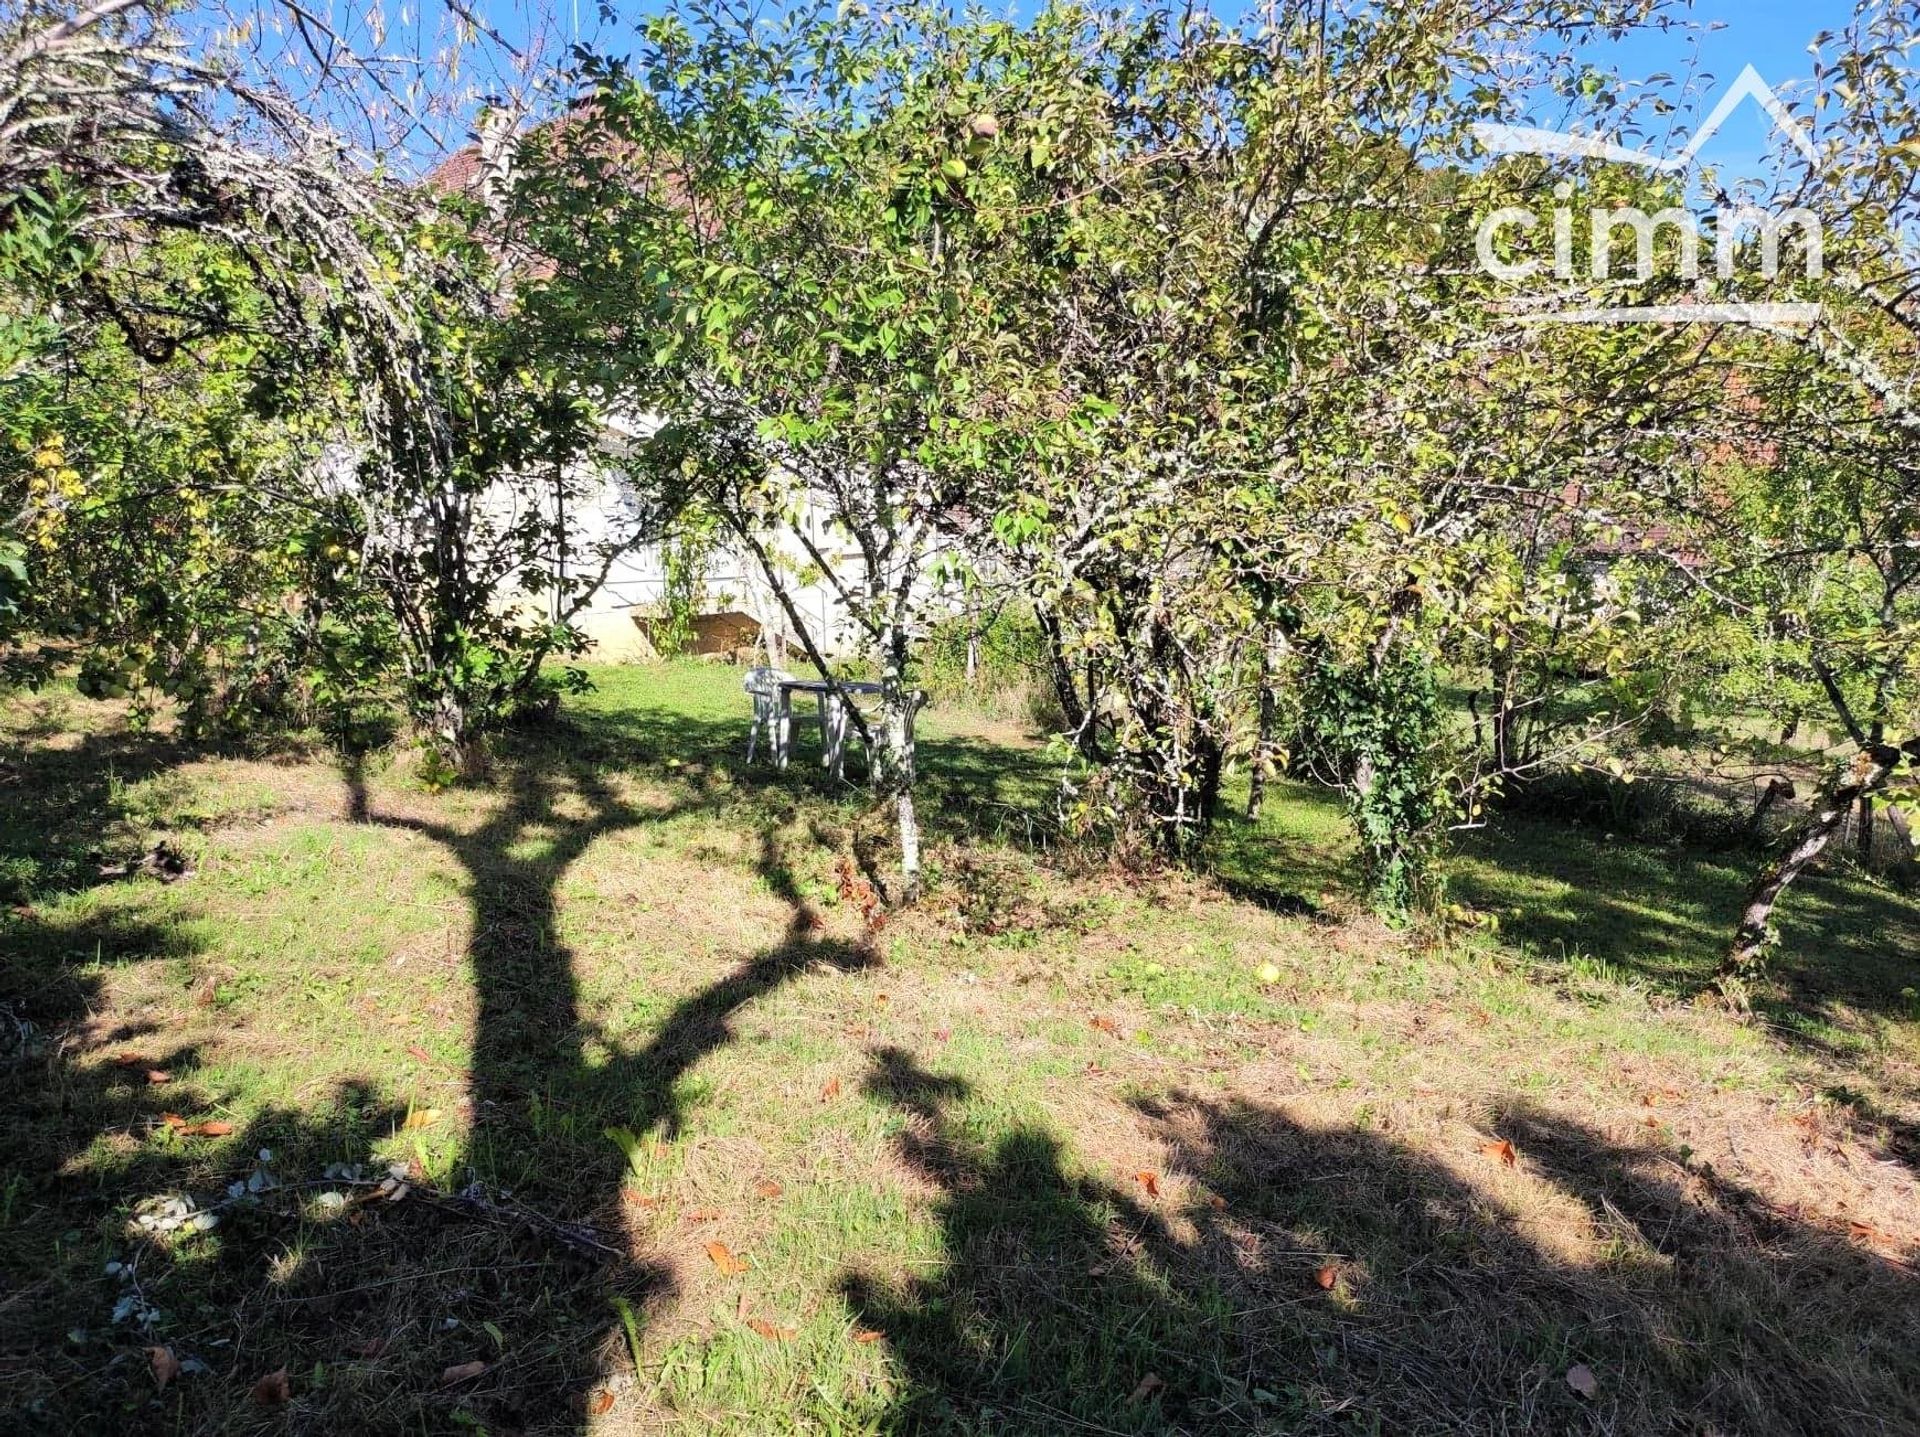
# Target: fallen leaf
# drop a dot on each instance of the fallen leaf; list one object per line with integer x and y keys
{"x": 462, "y": 1372}
{"x": 212, "y": 1128}
{"x": 371, "y": 1348}
{"x": 1105, "y": 1025}
{"x": 1581, "y": 1379}
{"x": 881, "y": 999}
{"x": 830, "y": 1091}
{"x": 157, "y": 1076}
{"x": 943, "y": 1035}
{"x": 866, "y": 1334}
{"x": 704, "y": 1214}
{"x": 1502, "y": 1150}
{"x": 129, "y": 1060}
{"x": 1149, "y": 1385}
{"x": 638, "y": 1198}
{"x": 1327, "y": 1276}
{"x": 769, "y": 1331}
{"x": 602, "y": 1402}
{"x": 423, "y": 1117}
{"x": 724, "y": 1259}
{"x": 1148, "y": 1181}
{"x": 768, "y": 1189}
{"x": 420, "y": 1054}
{"x": 164, "y": 1364}
{"x": 273, "y": 1389}
{"x": 1217, "y": 1203}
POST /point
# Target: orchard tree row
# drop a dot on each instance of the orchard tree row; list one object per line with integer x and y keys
{"x": 1174, "y": 333}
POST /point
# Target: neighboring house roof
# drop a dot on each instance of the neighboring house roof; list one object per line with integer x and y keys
{"x": 459, "y": 173}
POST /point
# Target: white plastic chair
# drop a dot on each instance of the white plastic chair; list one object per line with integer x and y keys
{"x": 772, "y": 713}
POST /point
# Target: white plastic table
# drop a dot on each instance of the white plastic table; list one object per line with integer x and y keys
{"x": 834, "y": 726}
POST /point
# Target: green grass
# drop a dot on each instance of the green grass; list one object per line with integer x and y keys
{"x": 1044, "y": 1155}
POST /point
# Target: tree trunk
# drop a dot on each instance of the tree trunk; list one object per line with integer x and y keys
{"x": 1211, "y": 759}
{"x": 896, "y": 772}
{"x": 1909, "y": 861}
{"x": 1864, "y": 775}
{"x": 1264, "y": 742}
{"x": 1777, "y": 789}
{"x": 1503, "y": 716}
{"x": 455, "y": 734}
{"x": 1863, "y": 835}
{"x": 909, "y": 847}
{"x": 1064, "y": 688}
{"x": 894, "y": 768}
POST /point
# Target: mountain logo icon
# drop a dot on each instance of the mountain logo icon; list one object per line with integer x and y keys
{"x": 1527, "y": 140}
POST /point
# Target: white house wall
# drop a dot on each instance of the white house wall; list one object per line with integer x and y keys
{"x": 636, "y": 585}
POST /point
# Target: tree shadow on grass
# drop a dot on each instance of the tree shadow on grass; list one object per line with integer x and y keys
{"x": 60, "y": 808}
{"x": 514, "y": 1265}
{"x": 80, "y": 1096}
{"x": 101, "y": 1127}
{"x": 1664, "y": 915}
{"x": 1291, "y": 1280}
{"x": 108, "y": 1125}
{"x": 540, "y": 1104}
{"x": 62, "y": 1096}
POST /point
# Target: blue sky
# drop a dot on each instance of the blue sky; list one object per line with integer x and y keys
{"x": 1716, "y": 41}
{"x": 1721, "y": 38}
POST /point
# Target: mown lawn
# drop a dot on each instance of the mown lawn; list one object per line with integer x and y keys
{"x": 589, "y": 1101}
